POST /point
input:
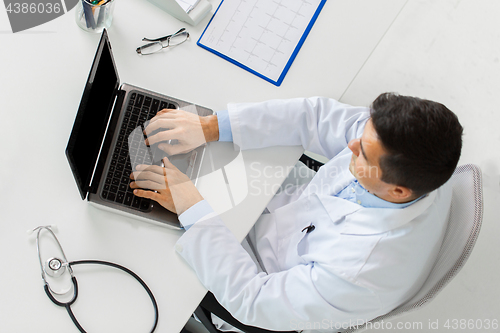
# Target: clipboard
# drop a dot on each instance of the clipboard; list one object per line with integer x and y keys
{"x": 260, "y": 36}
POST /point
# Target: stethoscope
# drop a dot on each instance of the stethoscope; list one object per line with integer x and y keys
{"x": 56, "y": 267}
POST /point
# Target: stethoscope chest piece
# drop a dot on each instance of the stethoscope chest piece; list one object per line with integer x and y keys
{"x": 54, "y": 267}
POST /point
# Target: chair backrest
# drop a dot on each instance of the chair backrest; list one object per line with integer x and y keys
{"x": 464, "y": 223}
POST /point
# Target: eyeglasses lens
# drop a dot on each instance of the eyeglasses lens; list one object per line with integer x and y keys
{"x": 151, "y": 48}
{"x": 178, "y": 38}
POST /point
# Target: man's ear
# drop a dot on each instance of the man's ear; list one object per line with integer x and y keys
{"x": 401, "y": 194}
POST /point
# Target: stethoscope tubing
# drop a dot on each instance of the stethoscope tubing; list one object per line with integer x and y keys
{"x": 50, "y": 293}
{"x": 68, "y": 304}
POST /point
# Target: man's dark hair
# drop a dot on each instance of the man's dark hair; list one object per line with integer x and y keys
{"x": 423, "y": 140}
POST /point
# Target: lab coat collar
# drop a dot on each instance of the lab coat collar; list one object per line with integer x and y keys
{"x": 371, "y": 221}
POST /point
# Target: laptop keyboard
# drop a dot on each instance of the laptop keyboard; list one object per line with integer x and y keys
{"x": 130, "y": 150}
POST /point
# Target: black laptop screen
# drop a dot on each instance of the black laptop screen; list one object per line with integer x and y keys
{"x": 93, "y": 115}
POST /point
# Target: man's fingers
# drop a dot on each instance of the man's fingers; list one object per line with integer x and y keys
{"x": 167, "y": 112}
{"x": 151, "y": 168}
{"x": 148, "y": 184}
{"x": 148, "y": 176}
{"x": 147, "y": 194}
{"x": 174, "y": 175}
{"x": 168, "y": 164}
{"x": 171, "y": 134}
{"x": 159, "y": 123}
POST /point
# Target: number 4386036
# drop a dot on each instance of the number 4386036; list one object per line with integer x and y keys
{"x": 33, "y": 8}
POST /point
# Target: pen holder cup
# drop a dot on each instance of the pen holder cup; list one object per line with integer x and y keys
{"x": 94, "y": 16}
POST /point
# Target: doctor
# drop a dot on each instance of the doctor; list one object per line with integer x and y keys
{"x": 355, "y": 242}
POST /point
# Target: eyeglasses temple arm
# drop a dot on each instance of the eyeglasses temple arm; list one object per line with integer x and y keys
{"x": 162, "y": 39}
{"x": 138, "y": 50}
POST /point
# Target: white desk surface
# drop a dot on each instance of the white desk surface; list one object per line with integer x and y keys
{"x": 43, "y": 71}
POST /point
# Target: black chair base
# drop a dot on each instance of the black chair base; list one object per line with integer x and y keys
{"x": 209, "y": 305}
{"x": 310, "y": 162}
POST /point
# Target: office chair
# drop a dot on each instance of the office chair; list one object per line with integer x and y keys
{"x": 464, "y": 223}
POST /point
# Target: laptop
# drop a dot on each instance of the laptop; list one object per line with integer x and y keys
{"x": 107, "y": 141}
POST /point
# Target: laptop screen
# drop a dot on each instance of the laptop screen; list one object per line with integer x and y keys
{"x": 93, "y": 115}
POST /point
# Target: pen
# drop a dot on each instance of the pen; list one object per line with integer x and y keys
{"x": 96, "y": 3}
{"x": 89, "y": 18}
{"x": 102, "y": 11}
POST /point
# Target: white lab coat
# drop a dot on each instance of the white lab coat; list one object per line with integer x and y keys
{"x": 357, "y": 264}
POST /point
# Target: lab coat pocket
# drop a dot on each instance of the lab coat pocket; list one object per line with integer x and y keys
{"x": 290, "y": 220}
{"x": 288, "y": 254}
{"x": 293, "y": 257}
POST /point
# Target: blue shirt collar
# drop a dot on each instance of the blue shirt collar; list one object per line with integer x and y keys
{"x": 368, "y": 200}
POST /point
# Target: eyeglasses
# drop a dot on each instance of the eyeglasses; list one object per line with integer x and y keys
{"x": 160, "y": 43}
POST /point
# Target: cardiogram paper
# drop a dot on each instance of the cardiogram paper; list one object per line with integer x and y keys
{"x": 260, "y": 34}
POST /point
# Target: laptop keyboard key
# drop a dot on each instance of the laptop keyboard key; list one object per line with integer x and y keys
{"x": 128, "y": 199}
{"x": 120, "y": 197}
{"x": 155, "y": 105}
{"x": 163, "y": 105}
{"x": 138, "y": 101}
{"x": 136, "y": 202}
{"x": 145, "y": 203}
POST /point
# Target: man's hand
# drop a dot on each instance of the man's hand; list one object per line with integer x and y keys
{"x": 190, "y": 131}
{"x": 173, "y": 189}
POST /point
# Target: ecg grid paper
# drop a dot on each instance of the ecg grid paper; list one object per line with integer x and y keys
{"x": 261, "y": 35}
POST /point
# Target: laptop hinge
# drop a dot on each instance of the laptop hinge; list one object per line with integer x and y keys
{"x": 115, "y": 115}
